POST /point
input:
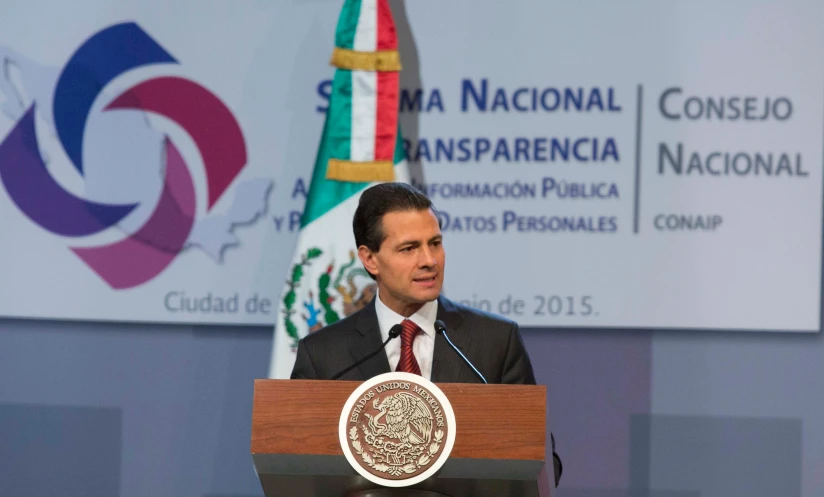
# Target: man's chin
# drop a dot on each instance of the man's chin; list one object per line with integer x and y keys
{"x": 424, "y": 295}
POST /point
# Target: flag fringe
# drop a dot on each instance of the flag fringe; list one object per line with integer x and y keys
{"x": 360, "y": 172}
{"x": 381, "y": 61}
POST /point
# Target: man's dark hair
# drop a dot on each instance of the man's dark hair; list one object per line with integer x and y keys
{"x": 382, "y": 199}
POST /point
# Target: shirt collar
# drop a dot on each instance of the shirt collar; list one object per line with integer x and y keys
{"x": 424, "y": 317}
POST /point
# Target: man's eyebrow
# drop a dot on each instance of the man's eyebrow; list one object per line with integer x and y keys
{"x": 403, "y": 243}
{"x": 408, "y": 242}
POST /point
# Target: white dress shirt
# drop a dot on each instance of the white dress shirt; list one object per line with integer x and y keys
{"x": 424, "y": 344}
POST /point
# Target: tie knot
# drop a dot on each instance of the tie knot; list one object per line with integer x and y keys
{"x": 410, "y": 331}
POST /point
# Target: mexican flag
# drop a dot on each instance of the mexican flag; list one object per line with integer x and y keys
{"x": 360, "y": 146}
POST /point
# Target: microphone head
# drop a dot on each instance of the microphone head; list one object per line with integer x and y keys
{"x": 395, "y": 331}
{"x": 439, "y": 326}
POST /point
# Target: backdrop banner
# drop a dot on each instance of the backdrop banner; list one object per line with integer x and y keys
{"x": 598, "y": 165}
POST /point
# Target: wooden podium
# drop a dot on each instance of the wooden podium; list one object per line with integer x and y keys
{"x": 499, "y": 449}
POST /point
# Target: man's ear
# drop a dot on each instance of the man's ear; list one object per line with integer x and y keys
{"x": 368, "y": 260}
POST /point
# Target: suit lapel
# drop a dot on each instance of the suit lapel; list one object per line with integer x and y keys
{"x": 447, "y": 366}
{"x": 367, "y": 337}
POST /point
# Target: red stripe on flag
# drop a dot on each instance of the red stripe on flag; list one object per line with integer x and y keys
{"x": 386, "y": 120}
{"x": 387, "y": 37}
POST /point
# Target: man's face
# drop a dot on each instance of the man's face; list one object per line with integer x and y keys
{"x": 409, "y": 264}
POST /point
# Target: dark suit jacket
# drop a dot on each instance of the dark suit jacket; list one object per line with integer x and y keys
{"x": 492, "y": 343}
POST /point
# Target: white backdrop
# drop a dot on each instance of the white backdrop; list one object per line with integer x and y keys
{"x": 610, "y": 236}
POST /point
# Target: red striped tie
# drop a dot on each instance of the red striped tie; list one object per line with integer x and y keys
{"x": 408, "y": 363}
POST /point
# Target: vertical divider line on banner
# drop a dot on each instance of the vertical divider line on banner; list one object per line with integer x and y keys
{"x": 821, "y": 246}
{"x": 638, "y": 119}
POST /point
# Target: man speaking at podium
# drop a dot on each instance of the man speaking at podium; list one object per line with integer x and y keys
{"x": 399, "y": 240}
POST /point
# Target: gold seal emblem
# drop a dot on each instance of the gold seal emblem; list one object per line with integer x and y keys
{"x": 397, "y": 429}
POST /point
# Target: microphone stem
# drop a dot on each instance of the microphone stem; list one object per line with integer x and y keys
{"x": 464, "y": 357}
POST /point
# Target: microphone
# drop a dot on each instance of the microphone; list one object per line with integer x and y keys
{"x": 394, "y": 332}
{"x": 441, "y": 328}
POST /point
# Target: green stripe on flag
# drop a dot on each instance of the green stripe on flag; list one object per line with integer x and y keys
{"x": 324, "y": 194}
{"x": 339, "y": 117}
{"x": 348, "y": 24}
{"x": 400, "y": 153}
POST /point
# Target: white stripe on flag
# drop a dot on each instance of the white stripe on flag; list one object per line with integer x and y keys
{"x": 366, "y": 34}
{"x": 364, "y": 115}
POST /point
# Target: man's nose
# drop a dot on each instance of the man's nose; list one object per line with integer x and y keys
{"x": 426, "y": 257}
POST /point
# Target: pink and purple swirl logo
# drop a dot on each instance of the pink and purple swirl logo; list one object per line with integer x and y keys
{"x": 145, "y": 253}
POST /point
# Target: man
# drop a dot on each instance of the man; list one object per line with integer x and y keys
{"x": 400, "y": 245}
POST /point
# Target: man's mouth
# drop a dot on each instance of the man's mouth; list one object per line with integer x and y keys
{"x": 426, "y": 279}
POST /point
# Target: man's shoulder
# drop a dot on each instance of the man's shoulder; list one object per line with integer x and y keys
{"x": 332, "y": 332}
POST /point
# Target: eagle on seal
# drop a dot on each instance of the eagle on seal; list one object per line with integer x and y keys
{"x": 407, "y": 417}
